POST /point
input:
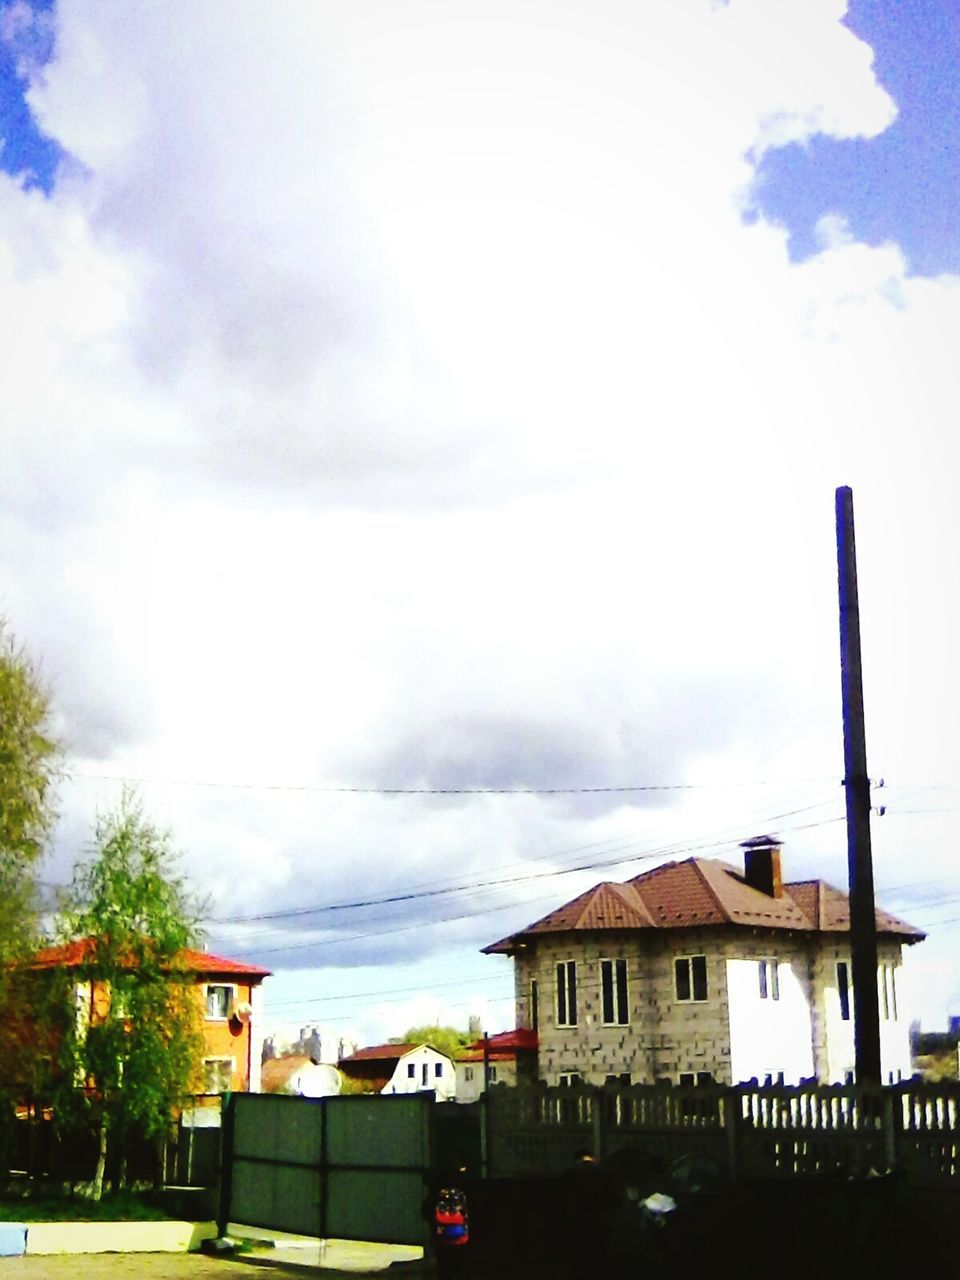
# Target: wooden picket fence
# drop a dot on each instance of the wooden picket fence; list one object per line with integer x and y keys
{"x": 744, "y": 1132}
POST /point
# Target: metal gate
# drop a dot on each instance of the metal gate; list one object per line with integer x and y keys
{"x": 350, "y": 1168}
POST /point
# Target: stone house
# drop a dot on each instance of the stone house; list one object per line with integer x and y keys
{"x": 696, "y": 972}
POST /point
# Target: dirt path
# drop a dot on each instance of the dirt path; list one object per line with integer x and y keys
{"x": 163, "y": 1266}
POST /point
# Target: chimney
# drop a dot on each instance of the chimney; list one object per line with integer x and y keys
{"x": 761, "y": 865}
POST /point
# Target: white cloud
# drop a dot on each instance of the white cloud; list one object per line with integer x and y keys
{"x": 400, "y": 396}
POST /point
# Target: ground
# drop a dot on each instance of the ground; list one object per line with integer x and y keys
{"x": 165, "y": 1266}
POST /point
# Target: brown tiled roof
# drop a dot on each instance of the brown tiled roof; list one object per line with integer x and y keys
{"x": 702, "y": 891}
{"x": 828, "y": 909}
{"x": 605, "y": 906}
{"x": 72, "y": 955}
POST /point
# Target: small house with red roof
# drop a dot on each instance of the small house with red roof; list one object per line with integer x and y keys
{"x": 507, "y": 1058}
{"x": 401, "y": 1068}
{"x": 228, "y": 992}
{"x": 697, "y": 971}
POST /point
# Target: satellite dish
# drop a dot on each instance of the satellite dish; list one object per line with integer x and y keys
{"x": 240, "y": 1016}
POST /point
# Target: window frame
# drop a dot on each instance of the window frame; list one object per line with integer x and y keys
{"x": 231, "y": 988}
{"x": 567, "y": 1012}
{"x": 689, "y": 962}
{"x": 223, "y": 1059}
{"x": 614, "y": 992}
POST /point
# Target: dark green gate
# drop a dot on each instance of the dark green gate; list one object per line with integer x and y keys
{"x": 339, "y": 1168}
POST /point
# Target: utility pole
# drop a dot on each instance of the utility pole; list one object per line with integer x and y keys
{"x": 863, "y": 919}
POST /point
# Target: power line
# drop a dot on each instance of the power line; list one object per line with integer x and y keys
{"x": 418, "y": 895}
{"x": 436, "y": 791}
{"x": 420, "y": 924}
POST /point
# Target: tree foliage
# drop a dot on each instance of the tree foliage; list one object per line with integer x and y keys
{"x": 29, "y": 759}
{"x": 446, "y": 1040}
{"x": 135, "y": 1041}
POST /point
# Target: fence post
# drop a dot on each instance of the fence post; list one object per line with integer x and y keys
{"x": 226, "y": 1163}
{"x": 891, "y": 1099}
{"x": 731, "y": 1120}
{"x": 596, "y": 1123}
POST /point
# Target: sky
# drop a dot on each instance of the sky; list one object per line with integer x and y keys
{"x": 421, "y": 424}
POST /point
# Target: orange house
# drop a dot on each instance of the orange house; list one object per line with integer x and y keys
{"x": 228, "y": 992}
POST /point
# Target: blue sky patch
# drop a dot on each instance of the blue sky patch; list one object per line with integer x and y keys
{"x": 26, "y": 44}
{"x": 902, "y": 185}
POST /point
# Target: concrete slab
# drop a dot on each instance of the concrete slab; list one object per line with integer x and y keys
{"x": 332, "y": 1255}
{"x": 117, "y": 1237}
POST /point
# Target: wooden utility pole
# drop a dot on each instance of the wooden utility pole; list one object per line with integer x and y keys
{"x": 863, "y": 919}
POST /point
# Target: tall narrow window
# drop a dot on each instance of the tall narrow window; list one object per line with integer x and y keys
{"x": 534, "y": 1005}
{"x": 843, "y": 989}
{"x": 690, "y": 977}
{"x": 567, "y": 993}
{"x": 613, "y": 991}
{"x": 769, "y": 974}
{"x": 892, "y": 997}
{"x": 888, "y": 992}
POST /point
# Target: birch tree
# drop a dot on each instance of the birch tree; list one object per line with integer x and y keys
{"x": 136, "y": 1045}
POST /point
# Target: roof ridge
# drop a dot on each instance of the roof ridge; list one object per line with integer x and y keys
{"x": 590, "y": 896}
{"x": 630, "y": 895}
{"x": 705, "y": 881}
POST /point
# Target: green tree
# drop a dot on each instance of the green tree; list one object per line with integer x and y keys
{"x": 29, "y": 758}
{"x": 29, "y": 761}
{"x": 135, "y": 1040}
{"x": 446, "y": 1040}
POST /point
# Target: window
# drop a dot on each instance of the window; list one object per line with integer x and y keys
{"x": 220, "y": 1001}
{"x": 438, "y": 1069}
{"x": 623, "y": 1078}
{"x": 492, "y": 1074}
{"x": 613, "y": 991}
{"x": 687, "y": 1078}
{"x": 468, "y": 1073}
{"x": 217, "y": 1074}
{"x": 704, "y": 1077}
{"x": 534, "y": 1005}
{"x": 567, "y": 993}
{"x": 701, "y": 1078}
{"x": 424, "y": 1070}
{"x": 769, "y": 974}
{"x": 843, "y": 989}
{"x": 690, "y": 976}
{"x": 887, "y": 993}
{"x": 568, "y": 1078}
{"x": 411, "y": 1071}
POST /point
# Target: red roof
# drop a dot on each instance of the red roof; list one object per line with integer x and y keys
{"x": 503, "y": 1047}
{"x": 703, "y": 891}
{"x": 72, "y": 955}
{"x": 381, "y": 1053}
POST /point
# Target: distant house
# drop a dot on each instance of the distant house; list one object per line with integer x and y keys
{"x": 402, "y": 1068}
{"x": 299, "y": 1074}
{"x": 228, "y": 992}
{"x": 697, "y": 971}
{"x": 508, "y": 1058}
{"x": 936, "y": 1054}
